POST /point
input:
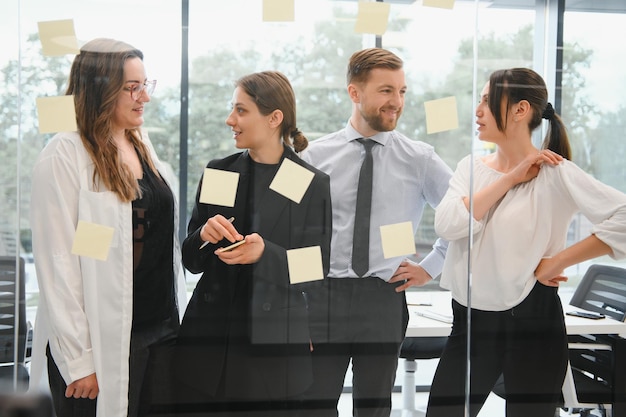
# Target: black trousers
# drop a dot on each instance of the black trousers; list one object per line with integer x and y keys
{"x": 149, "y": 386}
{"x": 526, "y": 344}
{"x": 363, "y": 319}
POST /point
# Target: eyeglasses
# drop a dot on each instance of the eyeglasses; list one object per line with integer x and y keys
{"x": 136, "y": 90}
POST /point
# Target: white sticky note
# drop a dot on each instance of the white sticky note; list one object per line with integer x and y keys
{"x": 58, "y": 37}
{"x": 278, "y": 10}
{"x": 305, "y": 264}
{"x": 292, "y": 180}
{"x": 92, "y": 240}
{"x": 442, "y": 4}
{"x": 219, "y": 187}
{"x": 372, "y": 18}
{"x": 441, "y": 115}
{"x": 397, "y": 239}
{"x": 56, "y": 114}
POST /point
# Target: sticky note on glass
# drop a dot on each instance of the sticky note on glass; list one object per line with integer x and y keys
{"x": 56, "y": 114}
{"x": 442, "y": 4}
{"x": 278, "y": 10}
{"x": 305, "y": 264}
{"x": 292, "y": 180}
{"x": 92, "y": 240}
{"x": 397, "y": 239}
{"x": 441, "y": 115}
{"x": 58, "y": 37}
{"x": 219, "y": 187}
{"x": 372, "y": 18}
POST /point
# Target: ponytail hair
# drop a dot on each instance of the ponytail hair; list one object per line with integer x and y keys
{"x": 271, "y": 90}
{"x": 510, "y": 86}
{"x": 556, "y": 138}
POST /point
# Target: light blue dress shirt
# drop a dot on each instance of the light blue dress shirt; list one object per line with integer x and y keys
{"x": 407, "y": 175}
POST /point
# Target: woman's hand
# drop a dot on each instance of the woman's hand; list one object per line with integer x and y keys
{"x": 86, "y": 387}
{"x": 549, "y": 272}
{"x": 247, "y": 253}
{"x": 530, "y": 166}
{"x": 217, "y": 228}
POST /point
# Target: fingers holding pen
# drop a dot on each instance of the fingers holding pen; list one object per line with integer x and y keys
{"x": 219, "y": 227}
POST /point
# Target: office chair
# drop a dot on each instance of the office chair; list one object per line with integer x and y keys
{"x": 412, "y": 349}
{"x": 598, "y": 362}
{"x": 8, "y": 321}
{"x": 418, "y": 348}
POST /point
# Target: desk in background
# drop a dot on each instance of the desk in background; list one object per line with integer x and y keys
{"x": 440, "y": 302}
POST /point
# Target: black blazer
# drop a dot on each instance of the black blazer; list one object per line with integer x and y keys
{"x": 246, "y": 327}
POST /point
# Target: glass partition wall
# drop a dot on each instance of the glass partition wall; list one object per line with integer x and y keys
{"x": 447, "y": 53}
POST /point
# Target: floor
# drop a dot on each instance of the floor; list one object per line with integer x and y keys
{"x": 494, "y": 406}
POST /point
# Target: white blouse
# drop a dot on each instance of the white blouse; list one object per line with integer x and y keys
{"x": 529, "y": 223}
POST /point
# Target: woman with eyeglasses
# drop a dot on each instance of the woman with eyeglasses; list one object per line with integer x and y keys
{"x": 104, "y": 321}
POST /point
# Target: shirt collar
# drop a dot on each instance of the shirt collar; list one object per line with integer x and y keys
{"x": 381, "y": 138}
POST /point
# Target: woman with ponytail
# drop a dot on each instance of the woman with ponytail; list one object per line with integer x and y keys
{"x": 524, "y": 199}
{"x": 244, "y": 341}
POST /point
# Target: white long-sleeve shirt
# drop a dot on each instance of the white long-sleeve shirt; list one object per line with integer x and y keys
{"x": 529, "y": 223}
{"x": 85, "y": 305}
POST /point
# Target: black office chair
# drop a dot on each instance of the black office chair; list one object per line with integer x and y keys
{"x": 598, "y": 362}
{"x": 599, "y": 370}
{"x": 8, "y": 321}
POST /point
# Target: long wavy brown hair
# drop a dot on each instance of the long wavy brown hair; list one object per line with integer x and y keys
{"x": 96, "y": 80}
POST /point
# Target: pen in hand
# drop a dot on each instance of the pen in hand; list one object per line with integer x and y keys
{"x": 232, "y": 219}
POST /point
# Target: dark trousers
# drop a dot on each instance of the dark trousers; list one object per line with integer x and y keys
{"x": 363, "y": 319}
{"x": 149, "y": 378}
{"x": 526, "y": 344}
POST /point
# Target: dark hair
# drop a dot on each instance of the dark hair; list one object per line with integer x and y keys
{"x": 96, "y": 81}
{"x": 363, "y": 62}
{"x": 510, "y": 86}
{"x": 271, "y": 90}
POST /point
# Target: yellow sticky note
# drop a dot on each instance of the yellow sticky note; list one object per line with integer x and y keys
{"x": 305, "y": 264}
{"x": 278, "y": 11}
{"x": 441, "y": 115}
{"x": 58, "y": 37}
{"x": 442, "y": 4}
{"x": 292, "y": 180}
{"x": 92, "y": 240}
{"x": 397, "y": 239}
{"x": 219, "y": 187}
{"x": 56, "y": 114}
{"x": 372, "y": 18}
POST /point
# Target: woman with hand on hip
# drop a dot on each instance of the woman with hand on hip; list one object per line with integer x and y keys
{"x": 523, "y": 202}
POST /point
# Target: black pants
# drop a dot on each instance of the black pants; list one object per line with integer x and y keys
{"x": 526, "y": 344}
{"x": 363, "y": 319}
{"x": 149, "y": 379}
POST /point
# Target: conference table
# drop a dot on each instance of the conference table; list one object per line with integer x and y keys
{"x": 430, "y": 314}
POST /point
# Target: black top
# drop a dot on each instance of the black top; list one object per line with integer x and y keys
{"x": 153, "y": 251}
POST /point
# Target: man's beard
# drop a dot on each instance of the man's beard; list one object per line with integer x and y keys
{"x": 377, "y": 123}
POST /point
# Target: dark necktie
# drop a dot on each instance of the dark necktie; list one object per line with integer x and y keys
{"x": 361, "y": 237}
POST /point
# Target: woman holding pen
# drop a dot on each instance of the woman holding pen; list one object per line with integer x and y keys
{"x": 244, "y": 341}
